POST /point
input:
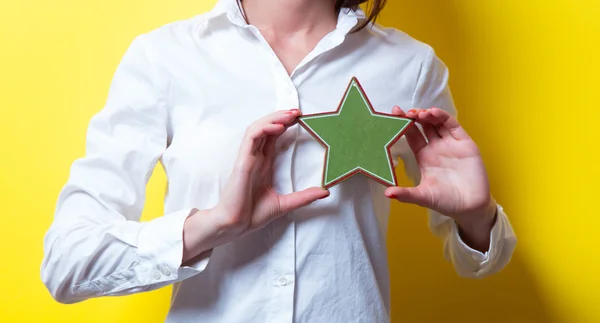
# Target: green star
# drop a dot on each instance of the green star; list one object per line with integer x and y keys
{"x": 357, "y": 139}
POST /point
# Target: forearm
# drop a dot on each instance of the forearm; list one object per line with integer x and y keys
{"x": 207, "y": 229}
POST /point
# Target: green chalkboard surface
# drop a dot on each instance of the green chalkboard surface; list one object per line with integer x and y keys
{"x": 357, "y": 138}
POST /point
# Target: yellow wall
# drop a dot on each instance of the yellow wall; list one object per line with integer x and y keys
{"x": 525, "y": 75}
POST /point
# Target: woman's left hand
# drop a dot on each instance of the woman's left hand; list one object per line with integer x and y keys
{"x": 453, "y": 178}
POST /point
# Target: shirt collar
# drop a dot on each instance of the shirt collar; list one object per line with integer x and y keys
{"x": 347, "y": 18}
{"x": 231, "y": 9}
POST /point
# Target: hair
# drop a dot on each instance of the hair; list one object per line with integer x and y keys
{"x": 374, "y": 8}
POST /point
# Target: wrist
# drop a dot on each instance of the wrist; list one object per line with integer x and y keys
{"x": 480, "y": 220}
{"x": 202, "y": 233}
{"x": 475, "y": 228}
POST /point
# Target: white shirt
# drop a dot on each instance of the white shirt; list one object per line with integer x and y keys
{"x": 183, "y": 95}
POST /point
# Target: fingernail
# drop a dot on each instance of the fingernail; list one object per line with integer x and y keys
{"x": 412, "y": 110}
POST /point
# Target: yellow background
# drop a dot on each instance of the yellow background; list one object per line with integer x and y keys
{"x": 525, "y": 76}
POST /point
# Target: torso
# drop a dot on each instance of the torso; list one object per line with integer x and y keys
{"x": 323, "y": 263}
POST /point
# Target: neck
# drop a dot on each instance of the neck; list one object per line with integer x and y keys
{"x": 291, "y": 16}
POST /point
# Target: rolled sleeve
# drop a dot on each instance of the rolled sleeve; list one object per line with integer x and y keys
{"x": 161, "y": 244}
{"x": 471, "y": 263}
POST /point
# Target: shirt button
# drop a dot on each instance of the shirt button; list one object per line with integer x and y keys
{"x": 156, "y": 274}
{"x": 283, "y": 281}
{"x": 165, "y": 270}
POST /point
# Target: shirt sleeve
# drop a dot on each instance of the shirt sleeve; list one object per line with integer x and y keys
{"x": 96, "y": 245}
{"x": 432, "y": 90}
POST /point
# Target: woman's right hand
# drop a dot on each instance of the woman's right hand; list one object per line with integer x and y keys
{"x": 249, "y": 201}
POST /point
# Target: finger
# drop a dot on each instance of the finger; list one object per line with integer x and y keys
{"x": 430, "y": 132}
{"x": 270, "y": 153}
{"x": 261, "y": 146}
{"x": 425, "y": 116}
{"x": 292, "y": 201}
{"x": 442, "y": 131}
{"x": 255, "y": 134}
{"x": 413, "y": 113}
{"x": 397, "y": 111}
{"x": 284, "y": 117}
{"x": 269, "y": 131}
{"x": 270, "y": 146}
{"x": 413, "y": 135}
{"x": 416, "y": 140}
{"x": 425, "y": 119}
{"x": 449, "y": 124}
{"x": 420, "y": 115}
{"x": 413, "y": 195}
{"x": 437, "y": 117}
{"x": 273, "y": 124}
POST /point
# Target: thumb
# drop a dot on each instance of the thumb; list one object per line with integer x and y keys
{"x": 413, "y": 195}
{"x": 292, "y": 201}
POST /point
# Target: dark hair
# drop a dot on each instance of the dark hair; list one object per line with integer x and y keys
{"x": 372, "y": 10}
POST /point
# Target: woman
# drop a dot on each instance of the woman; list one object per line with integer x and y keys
{"x": 247, "y": 235}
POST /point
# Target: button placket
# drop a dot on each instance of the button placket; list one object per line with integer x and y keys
{"x": 283, "y": 261}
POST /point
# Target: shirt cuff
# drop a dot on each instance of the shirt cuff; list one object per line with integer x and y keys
{"x": 473, "y": 263}
{"x": 160, "y": 246}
